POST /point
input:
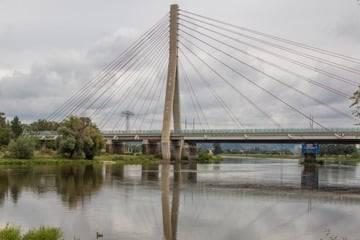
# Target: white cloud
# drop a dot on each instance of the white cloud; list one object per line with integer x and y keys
{"x": 52, "y": 49}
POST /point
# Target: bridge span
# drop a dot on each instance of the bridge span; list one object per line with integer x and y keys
{"x": 289, "y": 135}
{"x": 294, "y": 135}
{"x": 151, "y": 139}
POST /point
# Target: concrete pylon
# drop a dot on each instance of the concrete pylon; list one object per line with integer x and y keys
{"x": 172, "y": 97}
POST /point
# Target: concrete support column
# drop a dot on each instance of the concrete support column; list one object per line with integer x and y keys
{"x": 43, "y": 144}
{"x": 150, "y": 148}
{"x": 309, "y": 150}
{"x": 154, "y": 148}
{"x": 309, "y": 157}
{"x": 186, "y": 151}
{"x": 192, "y": 151}
{"x": 118, "y": 147}
{"x": 109, "y": 147}
{"x": 178, "y": 149}
{"x": 145, "y": 147}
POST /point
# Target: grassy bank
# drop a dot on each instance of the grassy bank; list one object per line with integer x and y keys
{"x": 258, "y": 155}
{"x": 53, "y": 158}
{"x": 339, "y": 158}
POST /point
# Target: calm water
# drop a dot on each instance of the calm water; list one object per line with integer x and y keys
{"x": 237, "y": 199}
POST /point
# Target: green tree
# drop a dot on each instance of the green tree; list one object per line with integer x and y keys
{"x": 4, "y": 136}
{"x": 79, "y": 138}
{"x": 16, "y": 127}
{"x": 44, "y": 125}
{"x": 217, "y": 148}
{"x": 23, "y": 148}
{"x": 2, "y": 120}
{"x": 4, "y": 131}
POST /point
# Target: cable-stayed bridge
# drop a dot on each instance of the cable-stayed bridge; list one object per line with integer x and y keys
{"x": 218, "y": 75}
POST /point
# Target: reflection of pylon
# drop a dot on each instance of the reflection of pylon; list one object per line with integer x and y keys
{"x": 127, "y": 114}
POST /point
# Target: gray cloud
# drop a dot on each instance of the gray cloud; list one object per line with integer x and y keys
{"x": 48, "y": 55}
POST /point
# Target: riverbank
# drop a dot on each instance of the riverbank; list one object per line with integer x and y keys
{"x": 338, "y": 159}
{"x": 153, "y": 159}
{"x": 106, "y": 158}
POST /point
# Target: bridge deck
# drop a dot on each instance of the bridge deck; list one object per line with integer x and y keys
{"x": 294, "y": 135}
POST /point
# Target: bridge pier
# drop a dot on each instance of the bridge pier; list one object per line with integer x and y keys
{"x": 118, "y": 147}
{"x": 43, "y": 144}
{"x": 189, "y": 150}
{"x": 109, "y": 146}
{"x": 149, "y": 147}
{"x": 178, "y": 145}
{"x": 309, "y": 150}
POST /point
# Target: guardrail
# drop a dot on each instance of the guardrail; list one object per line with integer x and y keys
{"x": 267, "y": 131}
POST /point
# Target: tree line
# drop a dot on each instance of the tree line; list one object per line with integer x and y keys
{"x": 78, "y": 137}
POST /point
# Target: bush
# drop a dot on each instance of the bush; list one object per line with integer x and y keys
{"x": 10, "y": 233}
{"x": 43, "y": 233}
{"x": 22, "y": 148}
{"x": 117, "y": 157}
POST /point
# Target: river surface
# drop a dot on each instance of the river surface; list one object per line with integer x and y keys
{"x": 237, "y": 199}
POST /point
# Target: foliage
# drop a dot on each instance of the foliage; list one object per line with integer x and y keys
{"x": 4, "y": 136}
{"x": 4, "y": 130}
{"x": 79, "y": 138}
{"x": 337, "y": 149}
{"x": 43, "y": 233}
{"x": 10, "y": 233}
{"x": 217, "y": 148}
{"x": 2, "y": 119}
{"x": 22, "y": 148}
{"x": 44, "y": 125}
{"x": 330, "y": 236}
{"x": 16, "y": 127}
{"x": 205, "y": 157}
{"x": 117, "y": 157}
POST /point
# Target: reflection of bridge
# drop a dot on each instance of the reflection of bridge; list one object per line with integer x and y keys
{"x": 194, "y": 173}
{"x": 243, "y": 75}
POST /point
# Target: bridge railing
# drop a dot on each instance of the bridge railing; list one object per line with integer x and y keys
{"x": 40, "y": 133}
{"x": 237, "y": 131}
{"x": 213, "y": 131}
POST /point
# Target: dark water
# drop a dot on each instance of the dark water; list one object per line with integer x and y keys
{"x": 237, "y": 199}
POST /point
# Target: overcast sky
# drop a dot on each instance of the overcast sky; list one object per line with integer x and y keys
{"x": 49, "y": 48}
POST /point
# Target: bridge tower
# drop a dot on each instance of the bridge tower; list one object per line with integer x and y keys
{"x": 172, "y": 97}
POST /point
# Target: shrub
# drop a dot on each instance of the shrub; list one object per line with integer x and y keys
{"x": 43, "y": 233}
{"x": 22, "y": 148}
{"x": 117, "y": 157}
{"x": 10, "y": 233}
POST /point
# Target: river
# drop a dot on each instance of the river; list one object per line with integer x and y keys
{"x": 236, "y": 199}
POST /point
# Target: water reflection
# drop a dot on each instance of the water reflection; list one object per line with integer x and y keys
{"x": 310, "y": 176}
{"x": 247, "y": 199}
{"x": 74, "y": 183}
{"x": 170, "y": 218}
